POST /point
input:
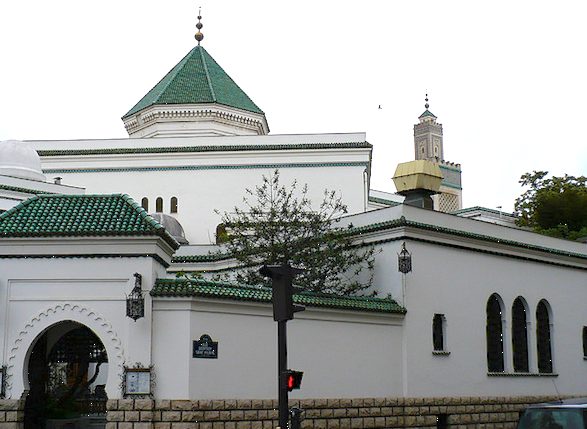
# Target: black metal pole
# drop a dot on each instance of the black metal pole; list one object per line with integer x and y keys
{"x": 281, "y": 373}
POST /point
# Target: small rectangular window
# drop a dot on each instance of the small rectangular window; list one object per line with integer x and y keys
{"x": 585, "y": 342}
{"x": 438, "y": 332}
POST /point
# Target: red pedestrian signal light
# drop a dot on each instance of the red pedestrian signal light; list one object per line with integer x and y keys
{"x": 293, "y": 379}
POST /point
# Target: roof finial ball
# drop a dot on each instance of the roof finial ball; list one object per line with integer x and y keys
{"x": 426, "y": 105}
{"x": 199, "y": 36}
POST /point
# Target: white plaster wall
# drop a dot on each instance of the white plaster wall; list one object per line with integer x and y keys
{"x": 458, "y": 283}
{"x": 172, "y": 348}
{"x": 36, "y": 293}
{"x": 201, "y": 192}
{"x": 345, "y": 354}
{"x": 212, "y": 187}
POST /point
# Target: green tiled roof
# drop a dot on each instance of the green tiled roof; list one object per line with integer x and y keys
{"x": 427, "y": 113}
{"x": 403, "y": 222}
{"x": 212, "y": 289}
{"x": 384, "y": 201}
{"x": 209, "y": 257}
{"x": 206, "y": 148}
{"x": 23, "y": 190}
{"x": 483, "y": 209}
{"x": 80, "y": 215}
{"x": 196, "y": 79}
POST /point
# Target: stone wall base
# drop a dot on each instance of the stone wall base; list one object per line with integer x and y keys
{"x": 363, "y": 413}
{"x": 11, "y": 414}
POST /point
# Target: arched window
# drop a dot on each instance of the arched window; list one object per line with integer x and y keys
{"x": 159, "y": 205}
{"x": 585, "y": 342}
{"x": 519, "y": 336}
{"x": 438, "y": 332}
{"x": 494, "y": 332}
{"x": 543, "y": 341}
{"x": 145, "y": 203}
{"x": 173, "y": 205}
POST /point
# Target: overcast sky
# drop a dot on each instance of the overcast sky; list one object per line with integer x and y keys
{"x": 507, "y": 79}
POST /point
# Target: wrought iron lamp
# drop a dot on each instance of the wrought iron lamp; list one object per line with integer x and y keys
{"x": 135, "y": 302}
{"x": 404, "y": 260}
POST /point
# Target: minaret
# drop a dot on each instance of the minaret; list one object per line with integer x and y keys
{"x": 428, "y": 145}
{"x": 428, "y": 137}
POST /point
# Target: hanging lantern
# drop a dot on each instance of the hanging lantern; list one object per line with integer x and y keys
{"x": 135, "y": 302}
{"x": 404, "y": 260}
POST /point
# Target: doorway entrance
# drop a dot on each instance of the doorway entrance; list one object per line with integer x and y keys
{"x": 67, "y": 373}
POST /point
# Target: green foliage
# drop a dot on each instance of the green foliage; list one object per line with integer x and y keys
{"x": 278, "y": 225}
{"x": 555, "y": 206}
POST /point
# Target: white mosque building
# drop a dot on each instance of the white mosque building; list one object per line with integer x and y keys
{"x": 489, "y": 318}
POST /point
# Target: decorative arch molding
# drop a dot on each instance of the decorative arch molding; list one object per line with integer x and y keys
{"x": 51, "y": 316}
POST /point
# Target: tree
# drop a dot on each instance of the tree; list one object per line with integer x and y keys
{"x": 278, "y": 225}
{"x": 555, "y": 206}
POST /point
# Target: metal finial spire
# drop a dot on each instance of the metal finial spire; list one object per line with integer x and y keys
{"x": 426, "y": 105}
{"x": 199, "y": 36}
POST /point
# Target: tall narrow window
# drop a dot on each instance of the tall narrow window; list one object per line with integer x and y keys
{"x": 145, "y": 203}
{"x": 159, "y": 205}
{"x": 494, "y": 333}
{"x": 585, "y": 342}
{"x": 173, "y": 205}
{"x": 438, "y": 332}
{"x": 519, "y": 336}
{"x": 543, "y": 341}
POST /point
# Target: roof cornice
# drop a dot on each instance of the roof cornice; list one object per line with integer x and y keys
{"x": 206, "y": 148}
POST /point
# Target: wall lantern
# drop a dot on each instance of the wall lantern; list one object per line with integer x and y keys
{"x": 135, "y": 302}
{"x": 404, "y": 260}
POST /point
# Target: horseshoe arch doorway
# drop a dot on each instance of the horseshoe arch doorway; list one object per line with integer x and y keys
{"x": 67, "y": 372}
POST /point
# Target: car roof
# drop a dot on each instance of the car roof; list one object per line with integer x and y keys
{"x": 563, "y": 403}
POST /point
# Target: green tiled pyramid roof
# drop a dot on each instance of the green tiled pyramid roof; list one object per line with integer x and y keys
{"x": 427, "y": 113}
{"x": 197, "y": 78}
{"x": 80, "y": 215}
{"x": 212, "y": 289}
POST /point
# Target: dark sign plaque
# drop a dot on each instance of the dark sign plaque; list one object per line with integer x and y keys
{"x": 205, "y": 348}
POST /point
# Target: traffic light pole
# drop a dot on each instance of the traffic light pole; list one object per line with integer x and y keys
{"x": 283, "y": 310}
{"x": 283, "y": 398}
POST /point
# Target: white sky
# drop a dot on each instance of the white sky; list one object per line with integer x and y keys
{"x": 507, "y": 79}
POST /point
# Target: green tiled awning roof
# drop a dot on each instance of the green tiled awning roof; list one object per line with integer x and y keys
{"x": 196, "y": 79}
{"x": 212, "y": 289}
{"x": 80, "y": 215}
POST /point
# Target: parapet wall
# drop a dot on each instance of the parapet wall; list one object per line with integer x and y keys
{"x": 362, "y": 413}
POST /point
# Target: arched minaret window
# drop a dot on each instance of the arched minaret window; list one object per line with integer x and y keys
{"x": 494, "y": 333}
{"x": 145, "y": 203}
{"x": 519, "y": 336}
{"x": 543, "y": 341}
{"x": 159, "y": 205}
{"x": 585, "y": 342}
{"x": 173, "y": 205}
